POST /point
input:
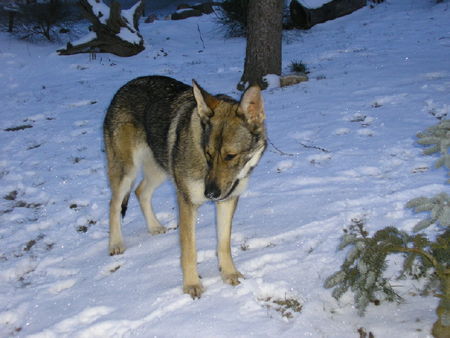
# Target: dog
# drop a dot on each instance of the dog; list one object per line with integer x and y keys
{"x": 208, "y": 144}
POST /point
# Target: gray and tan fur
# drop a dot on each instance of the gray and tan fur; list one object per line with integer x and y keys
{"x": 207, "y": 144}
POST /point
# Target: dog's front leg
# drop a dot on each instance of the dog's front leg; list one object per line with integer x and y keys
{"x": 225, "y": 212}
{"x": 187, "y": 219}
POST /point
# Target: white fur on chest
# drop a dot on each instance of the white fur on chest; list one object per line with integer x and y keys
{"x": 196, "y": 191}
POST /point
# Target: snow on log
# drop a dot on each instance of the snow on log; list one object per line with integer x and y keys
{"x": 113, "y": 30}
{"x": 307, "y": 13}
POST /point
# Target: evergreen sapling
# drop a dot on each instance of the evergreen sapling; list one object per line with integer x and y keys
{"x": 362, "y": 270}
{"x": 363, "y": 267}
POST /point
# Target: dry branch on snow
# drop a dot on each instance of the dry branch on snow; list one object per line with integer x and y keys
{"x": 113, "y": 30}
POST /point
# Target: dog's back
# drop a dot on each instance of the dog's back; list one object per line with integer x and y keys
{"x": 144, "y": 109}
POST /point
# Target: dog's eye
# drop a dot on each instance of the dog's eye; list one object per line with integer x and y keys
{"x": 229, "y": 157}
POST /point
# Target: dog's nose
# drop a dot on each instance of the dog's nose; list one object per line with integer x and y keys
{"x": 212, "y": 191}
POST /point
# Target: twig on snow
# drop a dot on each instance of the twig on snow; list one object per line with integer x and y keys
{"x": 201, "y": 38}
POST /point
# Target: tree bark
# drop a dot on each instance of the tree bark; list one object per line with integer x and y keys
{"x": 263, "y": 52}
{"x": 11, "y": 15}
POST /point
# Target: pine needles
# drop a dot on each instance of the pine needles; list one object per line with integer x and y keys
{"x": 362, "y": 270}
{"x": 425, "y": 257}
{"x": 438, "y": 137}
{"x": 438, "y": 207}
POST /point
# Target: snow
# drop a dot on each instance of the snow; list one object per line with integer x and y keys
{"x": 313, "y": 4}
{"x": 342, "y": 145}
{"x": 272, "y": 80}
{"x": 127, "y": 35}
{"x": 129, "y": 13}
{"x": 85, "y": 39}
{"x": 100, "y": 10}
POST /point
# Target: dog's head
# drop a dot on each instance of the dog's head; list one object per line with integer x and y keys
{"x": 233, "y": 138}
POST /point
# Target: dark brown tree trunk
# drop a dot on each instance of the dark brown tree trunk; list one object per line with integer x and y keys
{"x": 11, "y": 15}
{"x": 263, "y": 53}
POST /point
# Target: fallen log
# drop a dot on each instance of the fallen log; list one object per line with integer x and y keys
{"x": 307, "y": 13}
{"x": 112, "y": 31}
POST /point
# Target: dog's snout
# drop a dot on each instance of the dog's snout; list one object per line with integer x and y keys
{"x": 212, "y": 191}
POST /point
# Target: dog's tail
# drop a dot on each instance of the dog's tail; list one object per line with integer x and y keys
{"x": 125, "y": 204}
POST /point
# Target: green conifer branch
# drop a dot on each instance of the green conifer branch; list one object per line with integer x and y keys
{"x": 362, "y": 269}
{"x": 439, "y": 138}
{"x": 438, "y": 206}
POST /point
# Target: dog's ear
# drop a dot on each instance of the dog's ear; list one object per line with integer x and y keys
{"x": 206, "y": 103}
{"x": 252, "y": 106}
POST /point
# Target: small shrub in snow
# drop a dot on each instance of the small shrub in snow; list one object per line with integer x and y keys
{"x": 234, "y": 17}
{"x": 299, "y": 67}
{"x": 362, "y": 270}
{"x": 46, "y": 19}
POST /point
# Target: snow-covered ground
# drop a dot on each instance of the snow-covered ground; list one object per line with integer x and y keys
{"x": 342, "y": 146}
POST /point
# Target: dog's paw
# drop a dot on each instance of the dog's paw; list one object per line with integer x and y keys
{"x": 116, "y": 249}
{"x": 232, "y": 278}
{"x": 195, "y": 291}
{"x": 158, "y": 230}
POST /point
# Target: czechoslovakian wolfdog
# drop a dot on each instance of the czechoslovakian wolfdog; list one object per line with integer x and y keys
{"x": 207, "y": 144}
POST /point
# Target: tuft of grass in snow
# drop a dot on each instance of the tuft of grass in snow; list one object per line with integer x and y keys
{"x": 298, "y": 67}
{"x": 286, "y": 307}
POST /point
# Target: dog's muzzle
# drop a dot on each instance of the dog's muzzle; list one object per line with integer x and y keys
{"x": 212, "y": 191}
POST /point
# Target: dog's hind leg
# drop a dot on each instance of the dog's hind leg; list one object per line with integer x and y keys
{"x": 153, "y": 177}
{"x": 120, "y": 150}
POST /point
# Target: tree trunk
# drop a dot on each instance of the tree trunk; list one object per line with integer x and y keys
{"x": 263, "y": 53}
{"x": 11, "y": 15}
